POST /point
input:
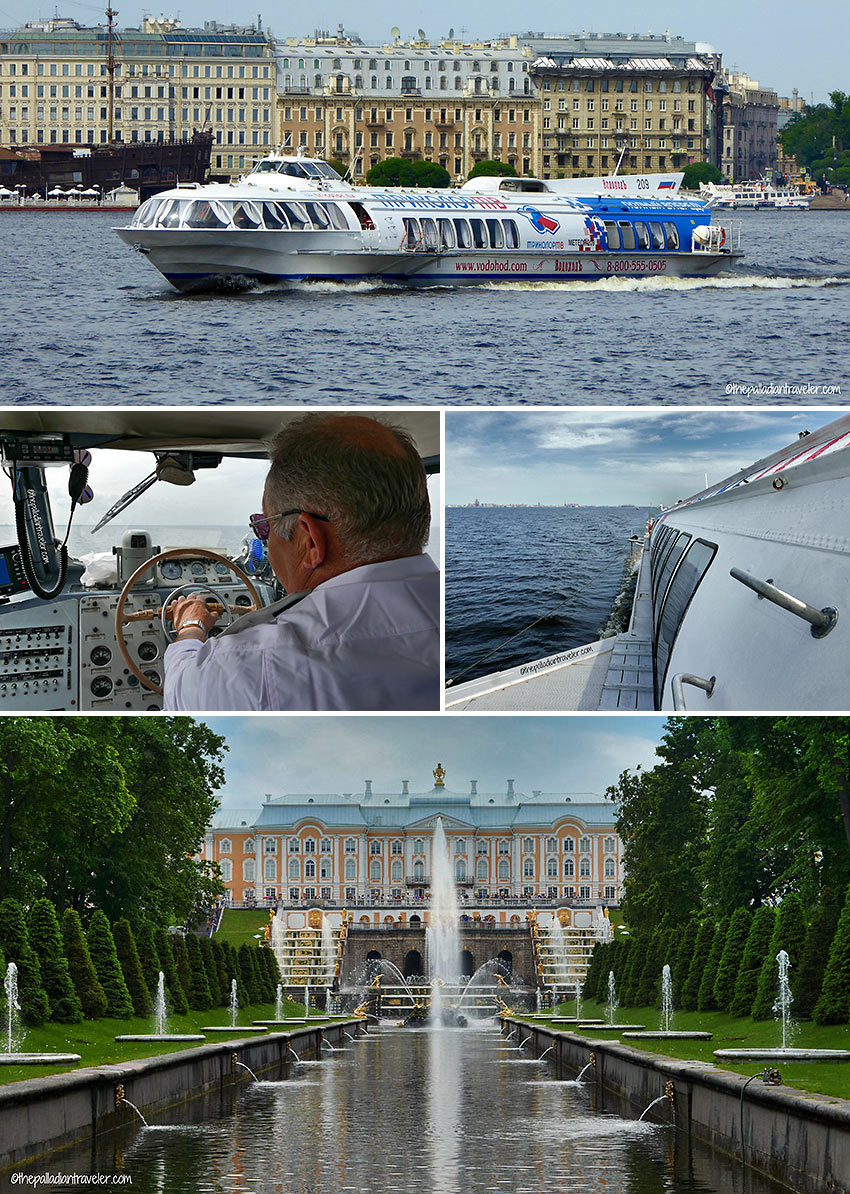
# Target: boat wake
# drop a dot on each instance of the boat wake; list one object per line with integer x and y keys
{"x": 660, "y": 285}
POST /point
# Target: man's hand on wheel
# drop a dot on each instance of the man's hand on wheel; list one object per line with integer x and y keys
{"x": 190, "y": 609}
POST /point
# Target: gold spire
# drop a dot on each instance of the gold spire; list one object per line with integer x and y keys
{"x": 439, "y": 776}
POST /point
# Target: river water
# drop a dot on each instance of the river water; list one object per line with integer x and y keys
{"x": 508, "y": 567}
{"x": 409, "y": 1112}
{"x": 88, "y": 321}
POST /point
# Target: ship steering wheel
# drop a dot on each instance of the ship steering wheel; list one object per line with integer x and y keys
{"x": 149, "y": 613}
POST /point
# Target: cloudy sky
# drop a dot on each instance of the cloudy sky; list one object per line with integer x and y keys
{"x": 281, "y": 754}
{"x": 608, "y": 457}
{"x": 783, "y": 45}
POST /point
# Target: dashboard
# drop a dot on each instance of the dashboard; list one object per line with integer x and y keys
{"x": 62, "y": 654}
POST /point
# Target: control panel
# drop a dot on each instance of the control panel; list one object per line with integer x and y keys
{"x": 38, "y": 656}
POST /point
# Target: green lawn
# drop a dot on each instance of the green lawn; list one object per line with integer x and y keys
{"x": 240, "y": 925}
{"x": 94, "y": 1039}
{"x": 827, "y": 1078}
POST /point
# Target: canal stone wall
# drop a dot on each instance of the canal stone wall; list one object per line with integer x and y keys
{"x": 395, "y": 944}
{"x": 794, "y": 1137}
{"x": 38, "y": 1115}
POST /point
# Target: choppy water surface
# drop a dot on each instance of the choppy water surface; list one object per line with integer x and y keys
{"x": 86, "y": 320}
{"x": 409, "y": 1112}
{"x": 508, "y": 567}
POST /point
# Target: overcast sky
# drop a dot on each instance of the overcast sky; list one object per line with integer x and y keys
{"x": 281, "y": 754}
{"x": 608, "y": 457}
{"x": 783, "y": 45}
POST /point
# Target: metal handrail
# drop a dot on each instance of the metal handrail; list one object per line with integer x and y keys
{"x": 822, "y": 621}
{"x": 683, "y": 678}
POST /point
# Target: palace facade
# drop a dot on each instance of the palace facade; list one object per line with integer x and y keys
{"x": 373, "y": 848}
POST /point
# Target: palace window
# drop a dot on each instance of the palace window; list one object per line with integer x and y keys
{"x": 294, "y": 845}
{"x": 270, "y": 846}
{"x": 417, "y": 846}
{"x": 248, "y": 848}
{"x": 569, "y": 868}
{"x": 552, "y": 868}
{"x": 226, "y": 870}
{"x": 248, "y": 870}
{"x": 460, "y": 846}
{"x": 527, "y": 845}
{"x": 584, "y": 868}
{"x": 528, "y": 868}
{"x": 294, "y": 869}
{"x": 309, "y": 869}
{"x": 326, "y": 846}
{"x": 481, "y": 869}
{"x": 569, "y": 845}
{"x": 270, "y": 869}
{"x": 375, "y": 870}
{"x": 325, "y": 869}
{"x": 482, "y": 847}
{"x": 504, "y": 847}
{"x": 584, "y": 893}
{"x": 310, "y": 846}
{"x": 584, "y": 845}
{"x": 551, "y": 845}
{"x": 610, "y": 893}
{"x": 350, "y": 846}
{"x": 374, "y": 847}
{"x": 419, "y": 871}
{"x": 460, "y": 870}
{"x": 610, "y": 868}
{"x": 396, "y": 870}
{"x": 350, "y": 868}
{"x": 504, "y": 869}
{"x": 224, "y": 846}
{"x": 396, "y": 847}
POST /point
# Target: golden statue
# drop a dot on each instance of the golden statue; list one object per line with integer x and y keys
{"x": 439, "y": 776}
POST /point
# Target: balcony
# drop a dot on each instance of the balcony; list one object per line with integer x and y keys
{"x": 411, "y": 155}
{"x": 374, "y": 122}
{"x": 413, "y": 881}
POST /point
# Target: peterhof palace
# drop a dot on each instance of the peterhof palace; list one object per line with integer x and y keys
{"x": 371, "y": 851}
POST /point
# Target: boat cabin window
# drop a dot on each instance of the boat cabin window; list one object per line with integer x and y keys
{"x": 318, "y": 215}
{"x": 412, "y": 235}
{"x": 613, "y": 234}
{"x": 674, "y": 554}
{"x": 265, "y": 167}
{"x": 337, "y": 216}
{"x": 168, "y": 215}
{"x": 245, "y": 215}
{"x": 628, "y": 234}
{"x": 145, "y": 215}
{"x": 297, "y": 216}
{"x": 429, "y": 234}
{"x": 672, "y": 235}
{"x": 511, "y": 234}
{"x": 274, "y": 216}
{"x": 497, "y": 239}
{"x": 479, "y": 234}
{"x": 464, "y": 236}
{"x": 657, "y": 234}
{"x": 641, "y": 234}
{"x": 447, "y": 234}
{"x": 205, "y": 215}
{"x": 682, "y": 589}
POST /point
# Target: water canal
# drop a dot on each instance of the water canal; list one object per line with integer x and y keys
{"x": 409, "y": 1112}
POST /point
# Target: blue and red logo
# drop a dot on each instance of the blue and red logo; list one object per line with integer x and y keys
{"x": 539, "y": 222}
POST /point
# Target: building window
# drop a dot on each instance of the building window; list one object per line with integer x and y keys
{"x": 460, "y": 846}
{"x": 552, "y": 868}
{"x": 396, "y": 847}
{"x": 350, "y": 868}
{"x": 270, "y": 869}
{"x": 569, "y": 845}
{"x": 527, "y": 845}
{"x": 419, "y": 871}
{"x": 248, "y": 848}
{"x": 482, "y": 847}
{"x": 551, "y": 845}
{"x": 374, "y": 847}
{"x": 226, "y": 870}
{"x": 609, "y": 845}
{"x": 294, "y": 845}
{"x": 375, "y": 870}
{"x": 326, "y": 846}
{"x": 396, "y": 870}
{"x": 248, "y": 870}
{"x": 294, "y": 869}
{"x": 584, "y": 868}
{"x": 481, "y": 869}
{"x": 584, "y": 845}
{"x": 350, "y": 845}
{"x": 610, "y": 868}
{"x": 224, "y": 846}
{"x": 417, "y": 846}
{"x": 528, "y": 868}
{"x": 270, "y": 846}
{"x": 504, "y": 869}
{"x": 504, "y": 847}
{"x": 309, "y": 869}
{"x": 325, "y": 869}
{"x": 584, "y": 893}
{"x": 610, "y": 893}
{"x": 569, "y": 868}
{"x": 460, "y": 870}
{"x": 310, "y": 846}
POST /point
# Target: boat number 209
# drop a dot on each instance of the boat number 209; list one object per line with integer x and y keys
{"x": 638, "y": 265}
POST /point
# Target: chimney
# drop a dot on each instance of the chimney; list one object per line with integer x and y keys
{"x": 473, "y": 787}
{"x": 405, "y": 784}
{"x": 510, "y": 792}
{"x": 368, "y": 792}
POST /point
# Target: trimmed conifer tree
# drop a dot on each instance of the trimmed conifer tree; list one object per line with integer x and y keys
{"x": 696, "y": 966}
{"x": 789, "y": 933}
{"x": 274, "y": 970}
{"x": 680, "y": 968}
{"x": 211, "y": 969}
{"x": 46, "y": 940}
{"x": 649, "y": 983}
{"x": 220, "y": 959}
{"x": 595, "y": 967}
{"x": 14, "y": 941}
{"x": 181, "y": 962}
{"x": 758, "y": 942}
{"x": 247, "y": 977}
{"x": 637, "y": 953}
{"x": 198, "y": 994}
{"x": 83, "y": 975}
{"x": 104, "y": 958}
{"x": 730, "y": 959}
{"x": 833, "y": 1005}
{"x": 148, "y": 956}
{"x": 128, "y": 956}
{"x": 177, "y": 1002}
{"x": 265, "y": 961}
{"x": 809, "y": 980}
{"x": 705, "y": 995}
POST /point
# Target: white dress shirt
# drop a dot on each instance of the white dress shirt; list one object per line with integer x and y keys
{"x": 367, "y": 639}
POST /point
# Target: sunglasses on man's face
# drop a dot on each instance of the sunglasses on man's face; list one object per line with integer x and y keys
{"x": 260, "y": 524}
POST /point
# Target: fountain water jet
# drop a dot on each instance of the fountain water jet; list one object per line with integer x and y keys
{"x": 666, "y": 1033}
{"x": 12, "y": 1034}
{"x": 444, "y": 935}
{"x": 234, "y": 1015}
{"x": 160, "y": 1024}
{"x": 612, "y": 1005}
{"x": 666, "y": 999}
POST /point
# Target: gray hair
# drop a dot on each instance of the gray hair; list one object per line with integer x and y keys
{"x": 375, "y": 497}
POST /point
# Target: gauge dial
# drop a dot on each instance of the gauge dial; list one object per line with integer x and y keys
{"x": 100, "y": 656}
{"x": 154, "y": 677}
{"x": 148, "y": 651}
{"x": 101, "y": 686}
{"x": 222, "y": 569}
{"x": 198, "y": 568}
{"x": 243, "y": 599}
{"x": 171, "y": 570}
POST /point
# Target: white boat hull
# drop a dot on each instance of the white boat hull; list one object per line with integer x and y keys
{"x": 192, "y": 258}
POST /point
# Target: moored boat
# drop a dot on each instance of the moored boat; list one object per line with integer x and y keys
{"x": 294, "y": 219}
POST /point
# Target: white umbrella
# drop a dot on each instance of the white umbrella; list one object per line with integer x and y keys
{"x": 92, "y": 191}
{"x": 56, "y": 191}
{"x": 5, "y": 191}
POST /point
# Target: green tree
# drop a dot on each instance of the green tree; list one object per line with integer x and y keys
{"x": 220, "y": 959}
{"x": 86, "y": 983}
{"x": 15, "y": 943}
{"x": 198, "y": 993}
{"x": 248, "y": 979}
{"x": 398, "y": 172}
{"x": 808, "y": 982}
{"x": 789, "y": 933}
{"x": 169, "y": 966}
{"x": 697, "y": 172}
{"x": 46, "y": 941}
{"x": 216, "y": 998}
{"x": 833, "y": 1005}
{"x": 490, "y": 169}
{"x": 131, "y": 967}
{"x": 819, "y": 131}
{"x": 107, "y": 967}
{"x": 148, "y": 956}
{"x": 684, "y": 956}
{"x": 705, "y": 994}
{"x": 696, "y": 966}
{"x": 758, "y": 942}
{"x": 730, "y": 959}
